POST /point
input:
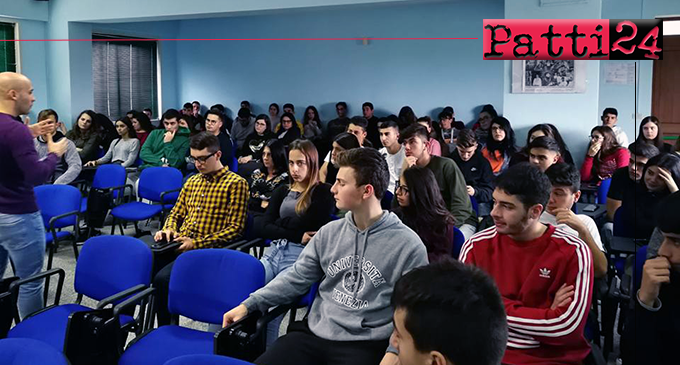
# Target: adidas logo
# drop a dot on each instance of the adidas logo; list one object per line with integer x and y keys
{"x": 544, "y": 273}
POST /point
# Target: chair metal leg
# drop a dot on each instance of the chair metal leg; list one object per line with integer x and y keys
{"x": 113, "y": 226}
{"x": 52, "y": 248}
{"x": 121, "y": 229}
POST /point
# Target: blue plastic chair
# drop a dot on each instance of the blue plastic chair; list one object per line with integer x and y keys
{"x": 110, "y": 176}
{"x": 386, "y": 202}
{"x": 161, "y": 186}
{"x": 206, "y": 360}
{"x": 60, "y": 208}
{"x": 640, "y": 258}
{"x": 22, "y": 351}
{"x": 110, "y": 269}
{"x": 475, "y": 204}
{"x": 458, "y": 241}
{"x": 602, "y": 191}
{"x": 204, "y": 284}
{"x": 620, "y": 228}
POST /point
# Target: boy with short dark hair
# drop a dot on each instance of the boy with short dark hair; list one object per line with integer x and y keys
{"x": 168, "y": 146}
{"x": 358, "y": 126}
{"x": 339, "y": 124}
{"x": 448, "y": 313}
{"x": 544, "y": 152}
{"x": 451, "y": 181}
{"x": 360, "y": 258}
{"x": 544, "y": 273}
{"x": 609, "y": 118}
{"x": 624, "y": 179}
{"x": 475, "y": 168}
{"x": 373, "y": 121}
{"x": 392, "y": 150}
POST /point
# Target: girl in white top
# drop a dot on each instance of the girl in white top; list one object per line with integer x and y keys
{"x": 124, "y": 150}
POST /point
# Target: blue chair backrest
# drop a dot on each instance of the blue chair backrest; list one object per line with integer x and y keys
{"x": 620, "y": 227}
{"x": 108, "y": 176}
{"x": 20, "y": 351}
{"x": 602, "y": 191}
{"x": 640, "y": 258}
{"x": 308, "y": 299}
{"x": 475, "y": 205}
{"x": 54, "y": 200}
{"x": 386, "y": 202}
{"x": 155, "y": 180}
{"x": 204, "y": 284}
{"x": 458, "y": 241}
{"x": 206, "y": 360}
{"x": 110, "y": 264}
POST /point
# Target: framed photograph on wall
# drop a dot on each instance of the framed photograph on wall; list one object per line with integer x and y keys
{"x": 548, "y": 76}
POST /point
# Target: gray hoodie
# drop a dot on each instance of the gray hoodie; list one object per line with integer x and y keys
{"x": 69, "y": 166}
{"x": 348, "y": 307}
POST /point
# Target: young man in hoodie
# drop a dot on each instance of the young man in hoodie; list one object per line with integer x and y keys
{"x": 359, "y": 258}
{"x": 544, "y": 273}
{"x": 70, "y": 165}
{"x": 654, "y": 327}
{"x": 243, "y": 126}
{"x": 609, "y": 118}
{"x": 475, "y": 168}
{"x": 449, "y": 177}
{"x": 166, "y": 147}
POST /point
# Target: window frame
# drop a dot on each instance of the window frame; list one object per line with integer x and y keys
{"x": 17, "y": 43}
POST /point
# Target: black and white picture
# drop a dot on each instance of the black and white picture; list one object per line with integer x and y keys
{"x": 548, "y": 76}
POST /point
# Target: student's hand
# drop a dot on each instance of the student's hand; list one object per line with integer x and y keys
{"x": 563, "y": 297}
{"x": 187, "y": 244}
{"x": 594, "y": 149}
{"x": 91, "y": 163}
{"x": 234, "y": 315}
{"x": 307, "y": 237}
{"x": 58, "y": 148}
{"x": 390, "y": 358}
{"x": 668, "y": 179}
{"x": 470, "y": 190}
{"x": 566, "y": 216}
{"x": 245, "y": 159}
{"x": 411, "y": 161}
{"x": 168, "y": 137}
{"x": 264, "y": 204}
{"x": 655, "y": 272}
{"x": 62, "y": 127}
{"x": 167, "y": 234}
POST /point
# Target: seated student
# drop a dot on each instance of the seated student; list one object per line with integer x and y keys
{"x": 288, "y": 133}
{"x": 294, "y": 215}
{"x": 272, "y": 174}
{"x": 242, "y": 127}
{"x": 253, "y": 145}
{"x": 603, "y": 157}
{"x": 421, "y": 207}
{"x": 210, "y": 211}
{"x": 660, "y": 178}
{"x": 434, "y": 147}
{"x": 131, "y": 113}
{"x": 373, "y": 122}
{"x": 650, "y": 133}
{"x": 227, "y": 122}
{"x": 449, "y": 128}
{"x": 187, "y": 109}
{"x": 108, "y": 131}
{"x": 290, "y": 109}
{"x": 624, "y": 179}
{"x": 274, "y": 115}
{"x": 189, "y": 122}
{"x": 483, "y": 125}
{"x": 449, "y": 178}
{"x": 609, "y": 118}
{"x": 214, "y": 124}
{"x": 435, "y": 306}
{"x": 147, "y": 112}
{"x": 86, "y": 135}
{"x": 358, "y": 127}
{"x": 360, "y": 258}
{"x": 124, "y": 150}
{"x": 339, "y": 124}
{"x": 543, "y": 130}
{"x": 329, "y": 169}
{"x": 500, "y": 146}
{"x": 566, "y": 185}
{"x": 544, "y": 152}
{"x": 168, "y": 146}
{"x": 69, "y": 165}
{"x": 142, "y": 126}
{"x": 406, "y": 117}
{"x": 544, "y": 274}
{"x": 312, "y": 124}
{"x": 653, "y": 330}
{"x": 475, "y": 168}
{"x": 392, "y": 150}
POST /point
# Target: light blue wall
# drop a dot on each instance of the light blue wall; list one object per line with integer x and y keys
{"x": 573, "y": 114}
{"x": 423, "y": 74}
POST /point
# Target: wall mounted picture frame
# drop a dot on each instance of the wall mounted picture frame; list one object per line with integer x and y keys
{"x": 548, "y": 76}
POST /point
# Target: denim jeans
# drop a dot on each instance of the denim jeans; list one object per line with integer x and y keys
{"x": 278, "y": 258}
{"x": 22, "y": 238}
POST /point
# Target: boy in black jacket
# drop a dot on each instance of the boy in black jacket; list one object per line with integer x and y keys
{"x": 475, "y": 168}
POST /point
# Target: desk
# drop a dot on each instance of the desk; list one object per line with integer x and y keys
{"x": 600, "y": 212}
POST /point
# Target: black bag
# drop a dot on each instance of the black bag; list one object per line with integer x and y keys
{"x": 241, "y": 340}
{"x": 8, "y": 307}
{"x": 93, "y": 337}
{"x": 98, "y": 205}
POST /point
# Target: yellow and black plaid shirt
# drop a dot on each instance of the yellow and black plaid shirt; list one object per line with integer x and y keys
{"x": 211, "y": 209}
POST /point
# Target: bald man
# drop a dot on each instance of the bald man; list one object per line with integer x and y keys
{"x": 22, "y": 234}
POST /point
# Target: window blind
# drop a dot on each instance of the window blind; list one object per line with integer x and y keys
{"x": 8, "y": 61}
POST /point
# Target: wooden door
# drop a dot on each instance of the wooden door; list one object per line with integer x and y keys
{"x": 666, "y": 87}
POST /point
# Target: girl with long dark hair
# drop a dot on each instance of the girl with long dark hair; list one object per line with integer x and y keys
{"x": 422, "y": 208}
{"x": 86, "y": 135}
{"x": 274, "y": 173}
{"x": 123, "y": 150}
{"x": 603, "y": 157}
{"x": 500, "y": 146}
{"x": 650, "y": 133}
{"x": 142, "y": 126}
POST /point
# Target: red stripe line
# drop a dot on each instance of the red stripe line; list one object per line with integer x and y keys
{"x": 231, "y": 39}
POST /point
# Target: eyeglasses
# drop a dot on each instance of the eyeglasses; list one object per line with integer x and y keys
{"x": 208, "y": 121}
{"x": 402, "y": 189}
{"x": 201, "y": 159}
